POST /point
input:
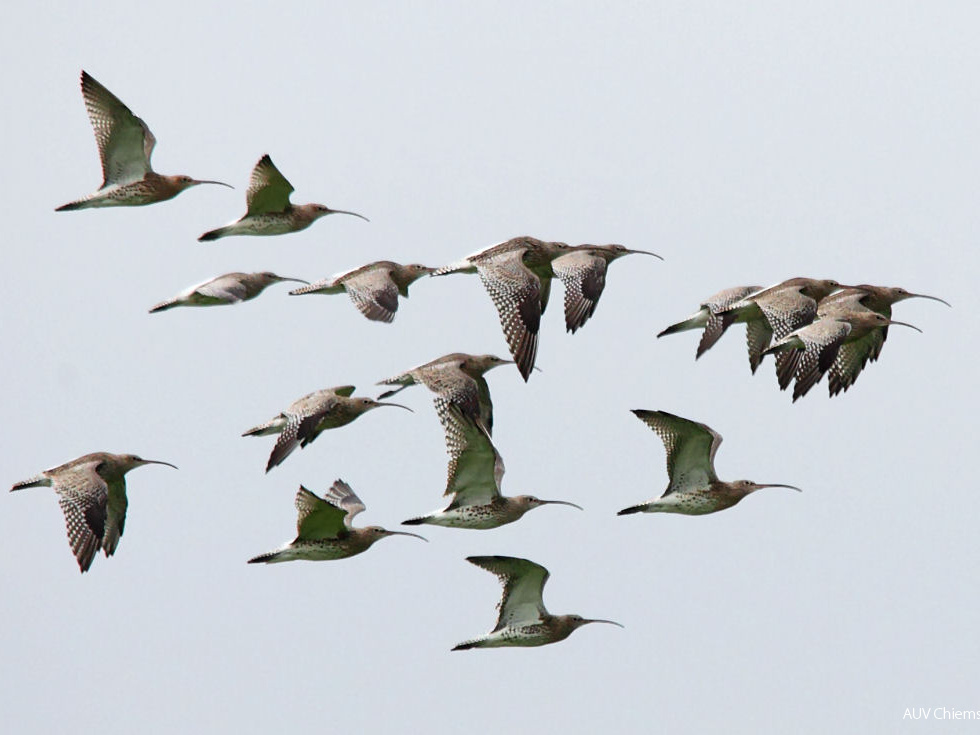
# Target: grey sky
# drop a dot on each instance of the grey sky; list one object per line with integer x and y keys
{"x": 745, "y": 145}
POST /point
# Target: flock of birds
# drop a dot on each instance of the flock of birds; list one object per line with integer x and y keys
{"x": 810, "y": 326}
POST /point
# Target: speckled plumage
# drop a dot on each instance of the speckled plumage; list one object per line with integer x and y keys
{"x": 707, "y": 318}
{"x": 231, "y": 288}
{"x": 373, "y": 288}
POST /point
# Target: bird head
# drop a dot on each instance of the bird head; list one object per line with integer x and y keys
{"x": 530, "y": 502}
{"x": 321, "y": 210}
{"x": 572, "y": 622}
{"x": 896, "y": 293}
{"x": 479, "y": 364}
{"x": 873, "y": 319}
{"x": 376, "y": 533}
{"x": 366, "y": 404}
{"x": 123, "y": 463}
{"x": 612, "y": 252}
{"x": 747, "y": 486}
{"x": 186, "y": 182}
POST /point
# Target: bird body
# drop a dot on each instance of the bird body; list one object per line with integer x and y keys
{"x": 583, "y": 271}
{"x": 456, "y": 378}
{"x": 269, "y": 211}
{"x": 707, "y": 317}
{"x": 474, "y": 476}
{"x": 517, "y": 274}
{"x": 694, "y": 487}
{"x": 309, "y": 416}
{"x": 92, "y": 494}
{"x": 125, "y": 146}
{"x": 373, "y": 288}
{"x": 231, "y": 288}
{"x": 324, "y": 529}
{"x": 523, "y": 619}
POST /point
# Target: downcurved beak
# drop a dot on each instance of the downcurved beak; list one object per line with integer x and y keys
{"x": 293, "y": 280}
{"x": 398, "y": 405}
{"x": 206, "y": 181}
{"x": 561, "y": 502}
{"x": 599, "y": 620}
{"x": 156, "y": 461}
{"x": 354, "y": 214}
{"x": 931, "y": 298}
{"x": 906, "y": 324}
{"x": 406, "y": 533}
{"x": 643, "y": 252}
{"x": 791, "y": 487}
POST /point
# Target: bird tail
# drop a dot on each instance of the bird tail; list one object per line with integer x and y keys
{"x": 271, "y": 558}
{"x": 77, "y": 204}
{"x": 633, "y": 509}
{"x": 214, "y": 234}
{"x": 416, "y": 521}
{"x": 38, "y": 481}
{"x": 311, "y": 288}
{"x": 467, "y": 645}
{"x": 460, "y": 266}
{"x": 269, "y": 427}
{"x": 695, "y": 321}
{"x": 164, "y": 305}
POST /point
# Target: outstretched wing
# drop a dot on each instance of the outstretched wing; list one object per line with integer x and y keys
{"x": 125, "y": 142}
{"x": 475, "y": 467}
{"x": 374, "y": 293}
{"x": 268, "y": 190}
{"x": 341, "y": 495}
{"x": 523, "y": 582}
{"x": 852, "y": 358}
{"x": 690, "y": 446}
{"x": 584, "y": 276}
{"x": 83, "y": 496}
{"x": 116, "y": 506}
{"x": 823, "y": 339}
{"x": 516, "y": 292}
{"x": 317, "y": 518}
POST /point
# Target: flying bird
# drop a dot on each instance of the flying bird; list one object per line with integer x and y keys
{"x": 325, "y": 530}
{"x": 125, "y": 146}
{"x": 523, "y": 619}
{"x": 474, "y": 475}
{"x": 694, "y": 488}
{"x": 583, "y": 271}
{"x": 456, "y": 378}
{"x": 374, "y": 288}
{"x": 517, "y": 274}
{"x": 707, "y": 317}
{"x": 231, "y": 288}
{"x": 269, "y": 209}
{"x": 92, "y": 494}
{"x": 309, "y": 416}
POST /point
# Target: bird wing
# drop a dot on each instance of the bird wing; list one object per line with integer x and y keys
{"x": 715, "y": 326}
{"x": 475, "y": 466}
{"x": 516, "y": 292}
{"x": 341, "y": 495}
{"x": 758, "y": 335}
{"x": 374, "y": 293}
{"x": 223, "y": 289}
{"x": 823, "y": 339}
{"x": 852, "y": 358}
{"x": 125, "y": 142}
{"x": 690, "y": 446}
{"x": 785, "y": 311}
{"x": 115, "y": 516}
{"x": 523, "y": 581}
{"x": 83, "y": 496}
{"x": 268, "y": 190}
{"x": 317, "y": 518}
{"x": 584, "y": 276}
{"x": 302, "y": 419}
{"x": 447, "y": 381}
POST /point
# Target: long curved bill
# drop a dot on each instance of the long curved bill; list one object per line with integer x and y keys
{"x": 561, "y": 502}
{"x": 406, "y": 533}
{"x": 610, "y": 622}
{"x": 643, "y": 252}
{"x": 905, "y": 324}
{"x": 157, "y": 461}
{"x": 207, "y": 181}
{"x": 398, "y": 405}
{"x": 294, "y": 280}
{"x": 791, "y": 487}
{"x": 344, "y": 211}
{"x": 931, "y": 298}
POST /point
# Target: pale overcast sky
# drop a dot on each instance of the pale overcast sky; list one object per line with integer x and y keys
{"x": 744, "y": 144}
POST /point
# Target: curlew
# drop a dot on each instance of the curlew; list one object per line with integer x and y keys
{"x": 309, "y": 416}
{"x": 269, "y": 209}
{"x": 583, "y": 271}
{"x": 707, "y": 318}
{"x": 774, "y": 312}
{"x": 125, "y": 146}
{"x": 475, "y": 472}
{"x": 92, "y": 495}
{"x": 853, "y": 356}
{"x": 374, "y": 288}
{"x": 523, "y": 619}
{"x": 456, "y": 378}
{"x": 812, "y": 350}
{"x": 324, "y": 528}
{"x": 694, "y": 488}
{"x": 517, "y": 274}
{"x": 231, "y": 288}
